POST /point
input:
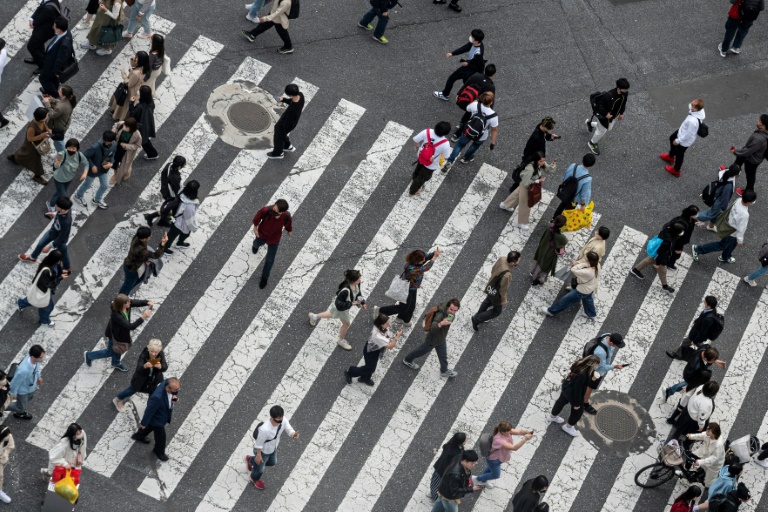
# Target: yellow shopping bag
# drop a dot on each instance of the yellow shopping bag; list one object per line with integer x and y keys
{"x": 67, "y": 489}
{"x": 578, "y": 219}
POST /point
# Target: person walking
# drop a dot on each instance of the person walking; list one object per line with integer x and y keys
{"x": 451, "y": 450}
{"x": 762, "y": 457}
{"x": 26, "y": 381}
{"x": 753, "y": 153}
{"x": 60, "y": 114}
{"x": 268, "y": 225}
{"x": 684, "y": 137}
{"x": 184, "y": 220}
{"x": 697, "y": 409}
{"x": 726, "y": 185}
{"x": 687, "y": 500}
{"x": 482, "y": 120}
{"x": 433, "y": 147}
{"x": 133, "y": 77}
{"x": 57, "y": 55}
{"x": 537, "y": 142}
{"x": 42, "y": 25}
{"x": 147, "y": 375}
{"x": 741, "y": 16}
{"x": 28, "y": 155}
{"x": 140, "y": 13}
{"x": 496, "y": 289}
{"x": 136, "y": 262}
{"x": 531, "y": 174}
{"x": 159, "y": 61}
{"x": 170, "y": 184}
{"x": 587, "y": 280}
{"x": 157, "y": 414}
{"x": 696, "y": 372}
{"x": 288, "y": 121}
{"x": 118, "y": 331}
{"x": 575, "y": 385}
{"x": 707, "y": 327}
{"x": 688, "y": 219}
{"x": 142, "y": 109}
{"x": 378, "y": 341}
{"x": 40, "y": 295}
{"x": 379, "y": 9}
{"x": 278, "y": 18}
{"x": 69, "y": 452}
{"x": 348, "y": 294}
{"x": 607, "y": 107}
{"x": 474, "y": 63}
{"x": 456, "y": 482}
{"x": 551, "y": 246}
{"x": 528, "y": 498}
{"x": 473, "y": 87}
{"x": 576, "y": 194}
{"x": 595, "y": 244}
{"x": 605, "y": 349}
{"x": 267, "y": 436}
{"x": 454, "y": 5}
{"x": 101, "y": 158}
{"x": 669, "y": 236}
{"x": 7, "y": 445}
{"x": 731, "y": 226}
{"x": 710, "y": 452}
{"x": 109, "y": 12}
{"x": 127, "y": 143}
{"x": 57, "y": 237}
{"x": 501, "y": 449}
{"x": 443, "y": 316}
{"x": 416, "y": 263}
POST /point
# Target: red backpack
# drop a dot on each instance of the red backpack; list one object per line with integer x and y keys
{"x": 467, "y": 95}
{"x": 427, "y": 152}
{"x": 681, "y": 506}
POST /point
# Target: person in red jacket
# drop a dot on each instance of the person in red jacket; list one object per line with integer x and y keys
{"x": 268, "y": 227}
{"x": 740, "y": 17}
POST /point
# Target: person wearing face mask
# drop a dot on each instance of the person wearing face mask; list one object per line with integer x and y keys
{"x": 267, "y": 435}
{"x": 268, "y": 225}
{"x": 529, "y": 497}
{"x": 57, "y": 237}
{"x": 607, "y": 107}
{"x": 731, "y": 226}
{"x": 148, "y": 374}
{"x": 753, "y": 152}
{"x": 69, "y": 452}
{"x": 6, "y": 447}
{"x": 170, "y": 184}
{"x": 474, "y": 63}
{"x": 28, "y": 156}
{"x": 669, "y": 235}
{"x": 101, "y": 157}
{"x": 684, "y": 137}
{"x": 68, "y": 163}
{"x": 157, "y": 414}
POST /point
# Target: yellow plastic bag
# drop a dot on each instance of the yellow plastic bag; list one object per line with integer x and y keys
{"x": 577, "y": 219}
{"x": 67, "y": 489}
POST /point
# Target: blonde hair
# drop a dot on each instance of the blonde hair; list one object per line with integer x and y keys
{"x": 155, "y": 344}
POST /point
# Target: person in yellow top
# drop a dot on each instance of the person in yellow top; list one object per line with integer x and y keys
{"x": 278, "y": 18}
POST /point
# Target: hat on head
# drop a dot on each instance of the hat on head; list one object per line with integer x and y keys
{"x": 742, "y": 492}
{"x": 617, "y": 339}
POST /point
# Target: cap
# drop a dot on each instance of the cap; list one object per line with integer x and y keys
{"x": 617, "y": 339}
{"x": 742, "y": 492}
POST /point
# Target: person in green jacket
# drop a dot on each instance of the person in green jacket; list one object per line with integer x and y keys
{"x": 551, "y": 245}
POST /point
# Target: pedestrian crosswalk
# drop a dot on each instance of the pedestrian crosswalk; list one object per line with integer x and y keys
{"x": 469, "y": 219}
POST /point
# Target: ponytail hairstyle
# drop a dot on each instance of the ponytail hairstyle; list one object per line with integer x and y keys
{"x": 593, "y": 260}
{"x": 502, "y": 428}
{"x": 69, "y": 94}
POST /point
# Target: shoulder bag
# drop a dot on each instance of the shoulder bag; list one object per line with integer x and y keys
{"x": 44, "y": 146}
{"x": 398, "y": 289}
{"x": 534, "y": 194}
{"x": 121, "y": 94}
{"x": 111, "y": 34}
{"x": 118, "y": 347}
{"x": 37, "y": 297}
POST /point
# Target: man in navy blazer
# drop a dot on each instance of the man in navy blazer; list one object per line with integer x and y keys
{"x": 158, "y": 413}
{"x": 57, "y": 56}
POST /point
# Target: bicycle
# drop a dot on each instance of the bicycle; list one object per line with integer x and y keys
{"x": 673, "y": 461}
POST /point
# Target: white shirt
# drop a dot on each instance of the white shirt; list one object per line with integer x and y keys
{"x": 269, "y": 437}
{"x": 700, "y": 407}
{"x": 443, "y": 149}
{"x": 490, "y": 123}
{"x": 738, "y": 219}
{"x": 3, "y": 61}
{"x": 686, "y": 134}
{"x": 377, "y": 340}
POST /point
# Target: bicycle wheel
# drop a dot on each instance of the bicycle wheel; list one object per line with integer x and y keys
{"x": 654, "y": 475}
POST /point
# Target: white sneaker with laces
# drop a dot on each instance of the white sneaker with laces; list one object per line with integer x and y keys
{"x": 312, "y": 319}
{"x": 100, "y": 204}
{"x": 554, "y": 419}
{"x": 439, "y": 95}
{"x": 762, "y": 463}
{"x": 103, "y": 51}
{"x": 544, "y": 310}
{"x": 736, "y": 51}
{"x": 503, "y": 207}
{"x": 344, "y": 344}
{"x": 87, "y": 46}
{"x": 119, "y": 404}
{"x": 571, "y": 430}
{"x": 252, "y": 20}
{"x": 750, "y": 283}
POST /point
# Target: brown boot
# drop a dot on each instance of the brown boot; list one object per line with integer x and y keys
{"x": 40, "y": 180}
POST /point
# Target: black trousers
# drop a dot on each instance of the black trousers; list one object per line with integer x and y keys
{"x": 50, "y": 84}
{"x": 676, "y": 152}
{"x": 160, "y": 438}
{"x": 176, "y": 232}
{"x": 460, "y": 74}
{"x": 149, "y": 148}
{"x": 575, "y": 415}
{"x": 371, "y": 362}
{"x": 564, "y": 205}
{"x": 421, "y": 175}
{"x": 673, "y": 259}
{"x": 404, "y": 311}
{"x": 750, "y": 170}
{"x": 280, "y": 141}
{"x": 488, "y": 310}
{"x": 36, "y": 48}
{"x": 462, "y": 124}
{"x": 283, "y": 33}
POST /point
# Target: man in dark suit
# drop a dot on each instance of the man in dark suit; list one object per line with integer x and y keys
{"x": 56, "y": 57}
{"x": 158, "y": 413}
{"x": 42, "y": 30}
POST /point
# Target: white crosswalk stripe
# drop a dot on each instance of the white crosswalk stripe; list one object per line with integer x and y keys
{"x": 16, "y": 33}
{"x": 756, "y": 477}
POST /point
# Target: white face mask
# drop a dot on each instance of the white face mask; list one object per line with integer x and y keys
{"x": 471, "y": 41}
{"x": 690, "y": 107}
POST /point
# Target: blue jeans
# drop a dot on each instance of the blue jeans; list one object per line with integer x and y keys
{"x": 676, "y": 388}
{"x": 444, "y": 505}
{"x": 45, "y": 240}
{"x": 735, "y": 32}
{"x": 271, "y": 253}
{"x": 130, "y": 280}
{"x": 103, "y": 186}
{"x": 492, "y": 471}
{"x": 266, "y": 460}
{"x": 61, "y": 191}
{"x": 255, "y": 8}
{"x": 757, "y": 273}
{"x": 132, "y": 23}
{"x": 43, "y": 313}
{"x": 727, "y": 245}
{"x": 710, "y": 215}
{"x": 381, "y": 26}
{"x": 127, "y": 392}
{"x": 104, "y": 353}
{"x": 463, "y": 141}
{"x": 571, "y": 298}
{"x": 59, "y": 145}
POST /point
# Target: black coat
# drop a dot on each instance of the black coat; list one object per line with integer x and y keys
{"x": 575, "y": 386}
{"x": 526, "y": 500}
{"x": 56, "y": 56}
{"x": 536, "y": 142}
{"x": 685, "y": 238}
{"x": 474, "y": 65}
{"x": 145, "y": 380}
{"x": 456, "y": 481}
{"x": 703, "y": 327}
{"x": 145, "y": 116}
{"x": 696, "y": 372}
{"x": 449, "y": 453}
{"x": 667, "y": 247}
{"x": 612, "y": 102}
{"x": 170, "y": 182}
{"x": 119, "y": 327}
{"x": 43, "y": 18}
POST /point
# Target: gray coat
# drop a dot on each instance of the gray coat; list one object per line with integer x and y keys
{"x": 754, "y": 150}
{"x": 437, "y": 335}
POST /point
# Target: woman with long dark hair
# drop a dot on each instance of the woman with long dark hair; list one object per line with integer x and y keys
{"x": 69, "y": 452}
{"x": 158, "y": 61}
{"x": 184, "y": 222}
{"x": 452, "y": 449}
{"x": 551, "y": 246}
{"x": 136, "y": 74}
{"x": 687, "y": 500}
{"x": 532, "y": 173}
{"x": 128, "y": 140}
{"x": 416, "y": 263}
{"x": 60, "y": 114}
{"x": 28, "y": 156}
{"x": 378, "y": 341}
{"x": 348, "y": 294}
{"x": 142, "y": 108}
{"x": 135, "y": 263}
{"x": 573, "y": 390}
{"x": 48, "y": 276}
{"x": 528, "y": 498}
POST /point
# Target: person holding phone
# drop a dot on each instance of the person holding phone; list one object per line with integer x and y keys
{"x": 501, "y": 451}
{"x": 69, "y": 452}
{"x": 148, "y": 374}
{"x": 442, "y": 316}
{"x": 605, "y": 350}
{"x": 373, "y": 350}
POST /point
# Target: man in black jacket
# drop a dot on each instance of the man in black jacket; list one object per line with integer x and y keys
{"x": 457, "y": 481}
{"x": 706, "y": 327}
{"x": 475, "y": 63}
{"x": 56, "y": 57}
{"x": 668, "y": 236}
{"x": 57, "y": 237}
{"x": 607, "y": 107}
{"x": 697, "y": 371}
{"x": 42, "y": 30}
{"x": 170, "y": 184}
{"x": 480, "y": 82}
{"x": 287, "y": 122}
{"x": 537, "y": 142}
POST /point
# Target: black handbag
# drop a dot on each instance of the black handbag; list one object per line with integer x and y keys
{"x": 71, "y": 68}
{"x": 110, "y": 34}
{"x": 121, "y": 93}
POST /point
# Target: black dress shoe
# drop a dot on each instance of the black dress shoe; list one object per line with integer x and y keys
{"x": 475, "y": 324}
{"x": 37, "y": 71}
{"x": 22, "y": 415}
{"x": 29, "y": 60}
{"x": 163, "y": 457}
{"x": 144, "y": 440}
{"x": 588, "y": 408}
{"x": 367, "y": 382}
{"x": 348, "y": 377}
{"x": 263, "y": 282}
{"x": 454, "y": 7}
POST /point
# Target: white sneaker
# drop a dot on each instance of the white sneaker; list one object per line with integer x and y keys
{"x": 503, "y": 207}
{"x": 344, "y": 344}
{"x": 119, "y": 404}
{"x": 100, "y": 204}
{"x": 750, "y": 283}
{"x": 554, "y": 419}
{"x": 450, "y": 372}
{"x": 375, "y": 312}
{"x": 762, "y": 463}
{"x": 248, "y": 6}
{"x": 4, "y": 497}
{"x": 720, "y": 49}
{"x": 711, "y": 228}
{"x": 252, "y": 20}
{"x": 571, "y": 430}
{"x": 87, "y": 46}
{"x": 523, "y": 227}
{"x": 735, "y": 50}
{"x": 50, "y": 324}
{"x": 439, "y": 95}
{"x": 544, "y": 310}
{"x": 488, "y": 485}
{"x": 103, "y": 51}
{"x": 312, "y": 319}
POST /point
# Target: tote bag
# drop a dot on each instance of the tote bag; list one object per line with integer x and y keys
{"x": 35, "y": 296}
{"x": 110, "y": 34}
{"x": 534, "y": 194}
{"x": 398, "y": 289}
{"x": 577, "y": 219}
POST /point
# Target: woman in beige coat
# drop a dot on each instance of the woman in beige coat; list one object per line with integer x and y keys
{"x": 588, "y": 278}
{"x": 133, "y": 77}
{"x": 128, "y": 144}
{"x": 6, "y": 447}
{"x": 519, "y": 197}
{"x": 110, "y": 12}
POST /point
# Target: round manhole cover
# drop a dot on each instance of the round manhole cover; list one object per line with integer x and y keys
{"x": 616, "y": 423}
{"x": 249, "y": 117}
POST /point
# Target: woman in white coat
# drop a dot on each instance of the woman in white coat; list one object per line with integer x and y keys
{"x": 69, "y": 452}
{"x": 710, "y": 453}
{"x": 184, "y": 222}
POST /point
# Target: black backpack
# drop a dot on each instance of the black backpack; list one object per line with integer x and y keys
{"x": 168, "y": 211}
{"x": 593, "y": 99}
{"x": 719, "y": 502}
{"x": 591, "y": 345}
{"x": 493, "y": 288}
{"x": 517, "y": 171}
{"x": 484, "y": 444}
{"x": 256, "y": 431}
{"x": 293, "y": 12}
{"x": 568, "y": 188}
{"x": 476, "y": 124}
{"x": 710, "y": 190}
{"x": 703, "y": 130}
{"x": 748, "y": 11}
{"x": 718, "y": 326}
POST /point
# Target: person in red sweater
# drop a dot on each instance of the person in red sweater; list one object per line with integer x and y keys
{"x": 740, "y": 17}
{"x": 268, "y": 224}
